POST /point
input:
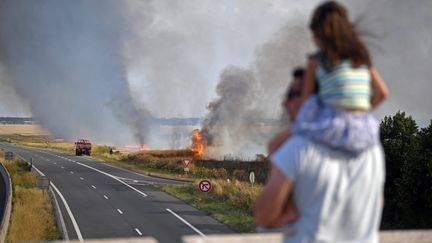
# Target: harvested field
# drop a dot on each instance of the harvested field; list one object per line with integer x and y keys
{"x": 23, "y": 129}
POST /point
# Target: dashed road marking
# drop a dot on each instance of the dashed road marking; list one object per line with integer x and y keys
{"x": 71, "y": 172}
{"x": 119, "y": 211}
{"x": 81, "y": 178}
{"x": 138, "y": 231}
{"x": 93, "y": 187}
{"x": 105, "y": 197}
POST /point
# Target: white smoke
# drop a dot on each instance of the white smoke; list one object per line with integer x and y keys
{"x": 64, "y": 60}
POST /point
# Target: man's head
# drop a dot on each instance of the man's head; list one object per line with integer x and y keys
{"x": 292, "y": 101}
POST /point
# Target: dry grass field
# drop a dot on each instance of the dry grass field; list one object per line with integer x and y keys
{"x": 32, "y": 217}
{"x": 23, "y": 129}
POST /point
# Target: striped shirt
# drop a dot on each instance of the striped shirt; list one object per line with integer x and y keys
{"x": 344, "y": 86}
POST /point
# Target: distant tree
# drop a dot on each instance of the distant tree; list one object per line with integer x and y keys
{"x": 408, "y": 168}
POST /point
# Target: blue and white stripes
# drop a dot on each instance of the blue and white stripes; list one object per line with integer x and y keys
{"x": 345, "y": 87}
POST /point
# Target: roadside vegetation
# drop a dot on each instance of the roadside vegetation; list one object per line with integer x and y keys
{"x": 408, "y": 191}
{"x": 32, "y": 217}
{"x": 230, "y": 202}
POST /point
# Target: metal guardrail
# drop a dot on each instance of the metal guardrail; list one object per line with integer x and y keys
{"x": 44, "y": 183}
{"x": 6, "y": 210}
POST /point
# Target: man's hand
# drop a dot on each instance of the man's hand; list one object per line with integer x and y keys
{"x": 273, "y": 207}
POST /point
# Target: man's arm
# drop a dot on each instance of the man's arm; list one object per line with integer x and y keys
{"x": 270, "y": 206}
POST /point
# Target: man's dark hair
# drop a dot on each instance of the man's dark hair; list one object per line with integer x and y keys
{"x": 298, "y": 72}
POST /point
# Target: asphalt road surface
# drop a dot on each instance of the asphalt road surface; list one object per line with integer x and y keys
{"x": 101, "y": 201}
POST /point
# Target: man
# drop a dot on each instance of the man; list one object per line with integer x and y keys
{"x": 291, "y": 105}
{"x": 338, "y": 196}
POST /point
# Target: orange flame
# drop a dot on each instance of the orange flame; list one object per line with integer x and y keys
{"x": 198, "y": 143}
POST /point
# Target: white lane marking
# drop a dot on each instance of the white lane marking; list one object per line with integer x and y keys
{"x": 55, "y": 163}
{"x": 87, "y": 159}
{"x": 115, "y": 178}
{"x": 109, "y": 175}
{"x": 138, "y": 231}
{"x": 75, "y": 225}
{"x": 105, "y": 197}
{"x": 71, "y": 172}
{"x": 119, "y": 211}
{"x": 48, "y": 160}
{"x": 93, "y": 187}
{"x": 186, "y": 222}
{"x": 62, "y": 167}
{"x": 81, "y": 178}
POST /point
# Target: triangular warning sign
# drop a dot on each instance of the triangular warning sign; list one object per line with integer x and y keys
{"x": 186, "y": 162}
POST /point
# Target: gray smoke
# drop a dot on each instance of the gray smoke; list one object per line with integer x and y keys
{"x": 400, "y": 40}
{"x": 236, "y": 122}
{"x": 64, "y": 60}
{"x": 101, "y": 69}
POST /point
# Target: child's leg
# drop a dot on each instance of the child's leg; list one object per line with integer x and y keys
{"x": 290, "y": 213}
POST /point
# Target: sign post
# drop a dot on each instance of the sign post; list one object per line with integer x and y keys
{"x": 186, "y": 163}
{"x": 252, "y": 177}
{"x": 205, "y": 186}
{"x": 9, "y": 155}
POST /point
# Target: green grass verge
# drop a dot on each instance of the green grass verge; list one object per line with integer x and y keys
{"x": 229, "y": 202}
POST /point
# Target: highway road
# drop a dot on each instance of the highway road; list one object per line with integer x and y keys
{"x": 98, "y": 200}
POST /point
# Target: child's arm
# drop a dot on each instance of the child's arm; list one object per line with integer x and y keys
{"x": 280, "y": 139}
{"x": 379, "y": 88}
{"x": 309, "y": 86}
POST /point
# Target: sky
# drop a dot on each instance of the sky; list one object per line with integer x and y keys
{"x": 104, "y": 62}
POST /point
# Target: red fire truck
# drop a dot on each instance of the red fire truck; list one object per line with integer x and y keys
{"x": 82, "y": 146}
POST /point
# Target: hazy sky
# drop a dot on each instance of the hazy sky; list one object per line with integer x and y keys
{"x": 165, "y": 58}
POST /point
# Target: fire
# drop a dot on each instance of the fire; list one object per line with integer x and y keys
{"x": 137, "y": 147}
{"x": 198, "y": 143}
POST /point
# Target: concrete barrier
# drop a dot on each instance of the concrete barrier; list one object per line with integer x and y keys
{"x": 7, "y": 204}
{"x": 391, "y": 236}
{"x": 120, "y": 240}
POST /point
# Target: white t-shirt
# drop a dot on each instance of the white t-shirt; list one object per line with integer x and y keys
{"x": 338, "y": 197}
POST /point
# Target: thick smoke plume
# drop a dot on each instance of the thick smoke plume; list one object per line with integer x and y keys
{"x": 236, "y": 121}
{"x": 64, "y": 59}
{"x": 399, "y": 38}
{"x": 103, "y": 69}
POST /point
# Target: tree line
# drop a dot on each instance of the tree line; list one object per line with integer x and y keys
{"x": 408, "y": 186}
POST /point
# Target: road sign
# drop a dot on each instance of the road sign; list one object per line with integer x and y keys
{"x": 205, "y": 186}
{"x": 252, "y": 177}
{"x": 9, "y": 155}
{"x": 187, "y": 162}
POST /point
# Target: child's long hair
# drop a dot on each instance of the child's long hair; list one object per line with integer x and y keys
{"x": 338, "y": 39}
